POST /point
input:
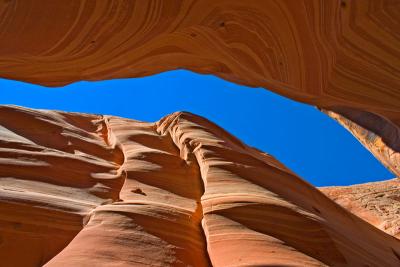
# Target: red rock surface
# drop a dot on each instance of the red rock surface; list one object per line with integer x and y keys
{"x": 333, "y": 54}
{"x": 178, "y": 192}
{"x": 378, "y": 203}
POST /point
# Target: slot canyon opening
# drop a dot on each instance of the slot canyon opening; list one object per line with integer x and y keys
{"x": 102, "y": 190}
{"x": 306, "y": 140}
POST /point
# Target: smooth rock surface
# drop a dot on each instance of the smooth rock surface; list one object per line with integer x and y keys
{"x": 55, "y": 168}
{"x": 177, "y": 192}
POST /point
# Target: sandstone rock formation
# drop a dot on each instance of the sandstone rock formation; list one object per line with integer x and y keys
{"x": 334, "y": 54}
{"x": 177, "y": 192}
{"x": 378, "y": 203}
{"x": 383, "y": 141}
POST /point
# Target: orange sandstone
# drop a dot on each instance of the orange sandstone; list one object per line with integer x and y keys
{"x": 177, "y": 192}
{"x": 378, "y": 203}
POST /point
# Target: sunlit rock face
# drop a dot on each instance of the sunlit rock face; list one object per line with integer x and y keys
{"x": 378, "y": 203}
{"x": 55, "y": 168}
{"x": 92, "y": 190}
{"x": 331, "y": 54}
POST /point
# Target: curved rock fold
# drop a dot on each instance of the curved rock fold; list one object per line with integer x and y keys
{"x": 177, "y": 192}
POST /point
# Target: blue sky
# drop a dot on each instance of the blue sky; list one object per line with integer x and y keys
{"x": 304, "y": 139}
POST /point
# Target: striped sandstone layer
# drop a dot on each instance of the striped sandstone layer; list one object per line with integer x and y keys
{"x": 92, "y": 190}
{"x": 334, "y": 54}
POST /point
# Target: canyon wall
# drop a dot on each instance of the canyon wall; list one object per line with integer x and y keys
{"x": 87, "y": 189}
{"x": 337, "y": 55}
{"x": 93, "y": 190}
{"x": 377, "y": 203}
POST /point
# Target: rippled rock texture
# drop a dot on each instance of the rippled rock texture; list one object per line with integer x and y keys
{"x": 335, "y": 54}
{"x": 378, "y": 203}
{"x": 91, "y": 190}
